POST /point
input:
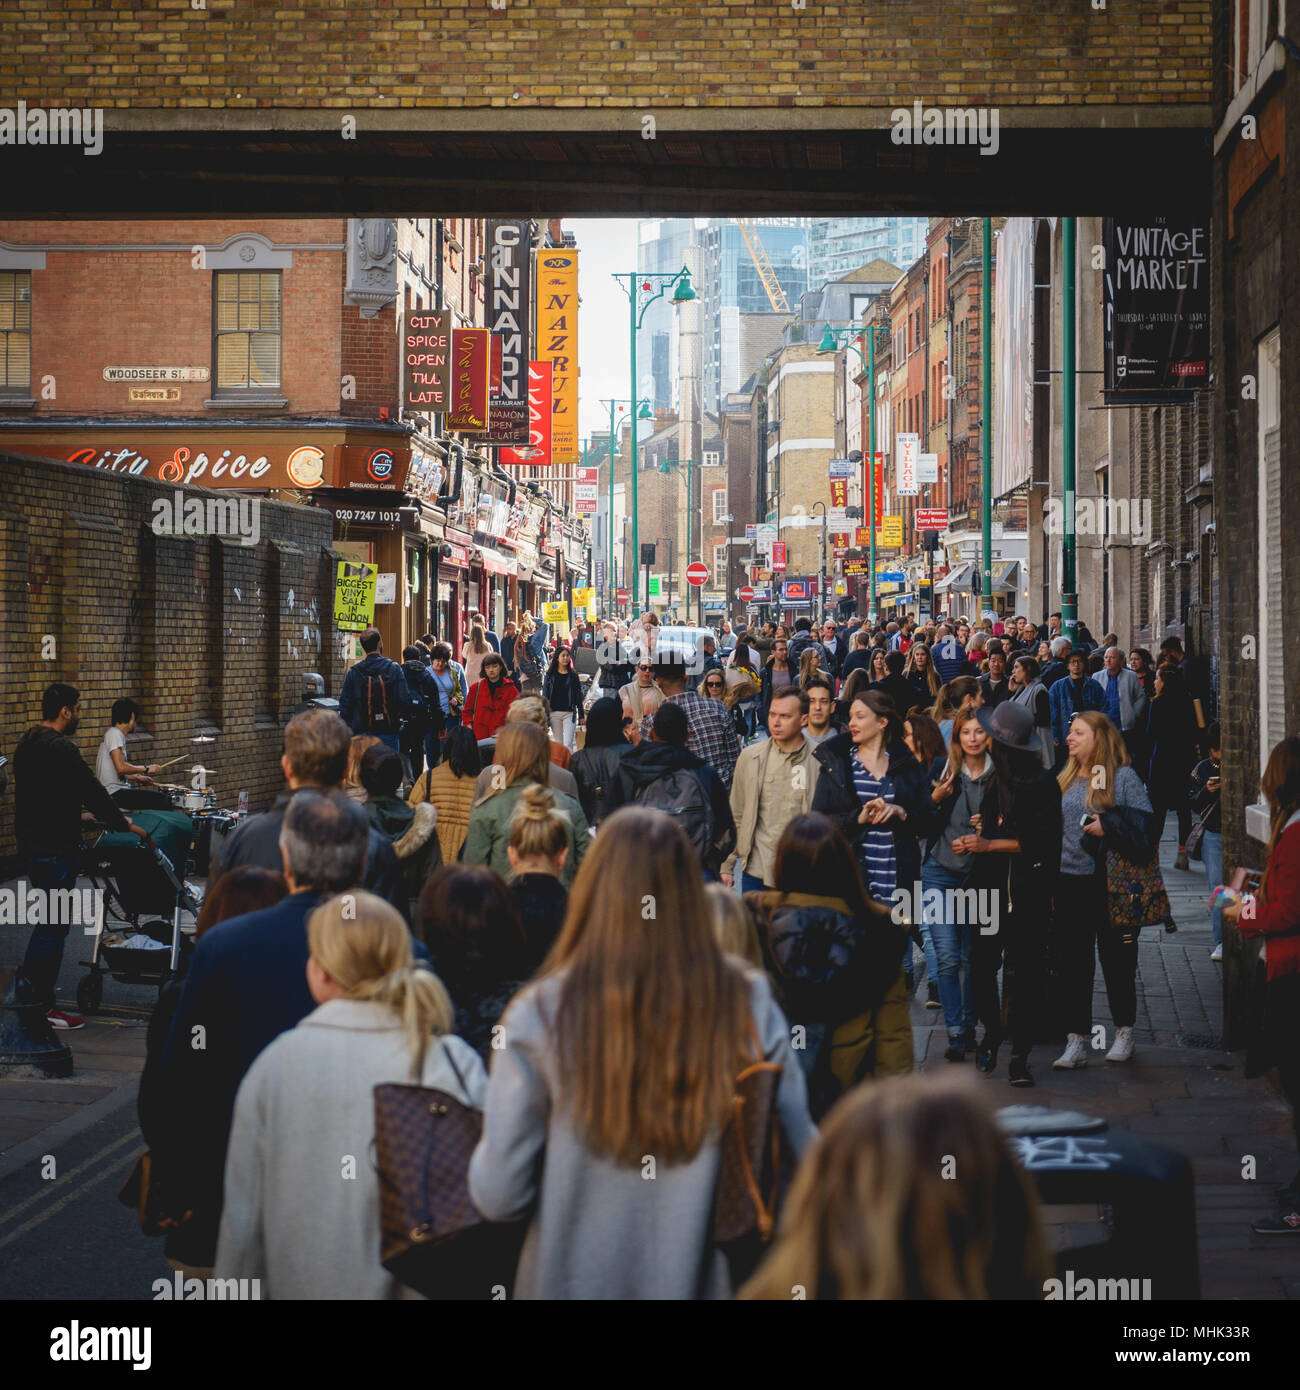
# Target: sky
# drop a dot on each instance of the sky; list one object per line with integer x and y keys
{"x": 605, "y": 245}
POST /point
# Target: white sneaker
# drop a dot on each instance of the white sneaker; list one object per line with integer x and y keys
{"x": 1075, "y": 1054}
{"x": 1122, "y": 1050}
{"x": 1217, "y": 953}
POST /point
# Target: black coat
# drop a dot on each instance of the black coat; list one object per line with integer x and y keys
{"x": 902, "y": 692}
{"x": 649, "y": 761}
{"x": 765, "y": 686}
{"x": 1171, "y": 736}
{"x": 836, "y": 798}
{"x": 596, "y": 770}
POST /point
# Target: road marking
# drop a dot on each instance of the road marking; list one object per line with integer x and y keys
{"x": 58, "y": 1206}
{"x": 132, "y": 1136}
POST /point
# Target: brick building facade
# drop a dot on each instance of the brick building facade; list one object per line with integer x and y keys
{"x": 211, "y": 637}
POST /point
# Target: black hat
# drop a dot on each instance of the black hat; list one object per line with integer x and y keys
{"x": 1010, "y": 724}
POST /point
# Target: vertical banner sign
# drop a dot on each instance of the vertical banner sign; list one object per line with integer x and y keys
{"x": 907, "y": 450}
{"x": 586, "y": 491}
{"x": 778, "y": 555}
{"x": 880, "y": 489}
{"x": 426, "y": 352}
{"x": 839, "y": 493}
{"x": 557, "y": 343}
{"x": 471, "y": 365}
{"x": 537, "y": 452}
{"x": 1157, "y": 307}
{"x": 509, "y": 313}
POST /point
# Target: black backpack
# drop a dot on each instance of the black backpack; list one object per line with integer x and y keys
{"x": 681, "y": 794}
{"x": 381, "y": 718}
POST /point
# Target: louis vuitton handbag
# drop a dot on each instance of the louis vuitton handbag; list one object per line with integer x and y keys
{"x": 433, "y": 1239}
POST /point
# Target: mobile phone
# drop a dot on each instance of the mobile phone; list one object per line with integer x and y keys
{"x": 1087, "y": 819}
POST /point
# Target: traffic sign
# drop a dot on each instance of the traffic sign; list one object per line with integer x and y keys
{"x": 931, "y": 519}
{"x": 747, "y": 594}
{"x": 697, "y": 573}
{"x": 622, "y": 595}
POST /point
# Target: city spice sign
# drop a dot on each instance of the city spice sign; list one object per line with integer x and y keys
{"x": 251, "y": 462}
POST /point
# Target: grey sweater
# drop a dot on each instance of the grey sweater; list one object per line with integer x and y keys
{"x": 1129, "y": 791}
{"x": 298, "y": 1214}
{"x": 599, "y": 1230}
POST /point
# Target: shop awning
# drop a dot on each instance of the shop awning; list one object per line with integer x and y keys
{"x": 494, "y": 562}
{"x": 958, "y": 578}
{"x": 1005, "y": 576}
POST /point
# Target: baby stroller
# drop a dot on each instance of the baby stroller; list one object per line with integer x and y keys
{"x": 143, "y": 892}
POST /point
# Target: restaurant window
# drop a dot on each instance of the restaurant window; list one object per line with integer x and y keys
{"x": 15, "y": 332}
{"x": 247, "y": 320}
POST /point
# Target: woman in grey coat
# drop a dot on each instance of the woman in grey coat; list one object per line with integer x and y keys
{"x": 614, "y": 1149}
{"x": 301, "y": 1207}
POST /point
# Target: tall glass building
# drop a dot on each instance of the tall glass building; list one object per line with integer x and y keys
{"x": 837, "y": 245}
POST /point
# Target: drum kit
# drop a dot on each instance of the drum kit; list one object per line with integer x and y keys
{"x": 200, "y": 804}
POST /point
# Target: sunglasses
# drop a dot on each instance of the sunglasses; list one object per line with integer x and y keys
{"x": 645, "y": 668}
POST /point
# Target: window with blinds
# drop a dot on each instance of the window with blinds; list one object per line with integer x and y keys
{"x": 247, "y": 331}
{"x": 1272, "y": 676}
{"x": 15, "y": 332}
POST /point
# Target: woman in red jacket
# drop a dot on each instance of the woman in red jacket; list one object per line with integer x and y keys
{"x": 1275, "y": 915}
{"x": 489, "y": 698}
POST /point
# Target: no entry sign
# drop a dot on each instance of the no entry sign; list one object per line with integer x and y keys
{"x": 746, "y": 594}
{"x": 698, "y": 573}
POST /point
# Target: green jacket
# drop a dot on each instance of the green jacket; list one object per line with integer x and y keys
{"x": 489, "y": 831}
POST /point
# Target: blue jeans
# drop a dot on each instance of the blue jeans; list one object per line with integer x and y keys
{"x": 1212, "y": 852}
{"x": 44, "y": 955}
{"x": 951, "y": 947}
{"x": 750, "y": 884}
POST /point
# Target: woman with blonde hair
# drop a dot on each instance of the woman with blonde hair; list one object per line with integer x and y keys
{"x": 537, "y": 849}
{"x": 641, "y": 695}
{"x": 810, "y": 664}
{"x": 522, "y": 758}
{"x": 475, "y": 647}
{"x": 876, "y": 1210}
{"x": 619, "y": 1064}
{"x": 733, "y": 924}
{"x": 961, "y": 695}
{"x": 1105, "y": 809}
{"x": 307, "y": 1104}
{"x": 352, "y": 778}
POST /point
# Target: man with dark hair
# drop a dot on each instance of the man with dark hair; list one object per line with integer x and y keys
{"x": 662, "y": 773}
{"x": 774, "y": 783}
{"x": 315, "y": 758}
{"x": 53, "y": 783}
{"x": 376, "y": 698}
{"x": 818, "y": 710}
{"x": 802, "y": 640}
{"x": 246, "y": 984}
{"x": 713, "y": 734}
{"x": 111, "y": 766}
{"x": 995, "y": 687}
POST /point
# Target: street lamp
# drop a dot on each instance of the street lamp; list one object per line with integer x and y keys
{"x": 683, "y": 467}
{"x": 821, "y": 569}
{"x": 832, "y": 340}
{"x": 644, "y": 413}
{"x": 641, "y": 294}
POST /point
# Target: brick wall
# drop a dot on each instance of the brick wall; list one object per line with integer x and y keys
{"x": 211, "y": 638}
{"x": 553, "y": 54}
{"x": 100, "y": 303}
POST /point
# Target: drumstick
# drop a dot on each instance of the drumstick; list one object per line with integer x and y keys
{"x": 176, "y": 759}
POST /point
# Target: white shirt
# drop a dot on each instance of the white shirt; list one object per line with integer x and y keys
{"x": 104, "y": 768}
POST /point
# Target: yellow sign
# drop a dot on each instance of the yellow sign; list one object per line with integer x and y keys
{"x": 584, "y": 599}
{"x": 890, "y": 531}
{"x": 557, "y": 343}
{"x": 354, "y": 596}
{"x": 556, "y": 612}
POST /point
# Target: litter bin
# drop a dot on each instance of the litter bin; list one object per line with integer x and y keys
{"x": 1142, "y": 1190}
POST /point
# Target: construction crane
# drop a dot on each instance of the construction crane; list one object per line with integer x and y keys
{"x": 757, "y": 254}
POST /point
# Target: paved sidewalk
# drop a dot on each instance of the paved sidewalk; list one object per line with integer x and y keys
{"x": 1180, "y": 1090}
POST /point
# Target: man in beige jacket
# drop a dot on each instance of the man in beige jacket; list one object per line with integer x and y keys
{"x": 773, "y": 783}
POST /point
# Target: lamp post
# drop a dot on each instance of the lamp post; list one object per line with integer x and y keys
{"x": 821, "y": 569}
{"x": 645, "y": 414}
{"x": 684, "y": 466}
{"x": 641, "y": 294}
{"x": 832, "y": 340}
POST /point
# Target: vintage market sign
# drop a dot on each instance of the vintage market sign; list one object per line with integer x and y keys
{"x": 354, "y": 596}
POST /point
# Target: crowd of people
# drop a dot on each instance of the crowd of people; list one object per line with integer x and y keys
{"x": 592, "y": 946}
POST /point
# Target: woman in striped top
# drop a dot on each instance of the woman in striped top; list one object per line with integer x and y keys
{"x": 875, "y": 791}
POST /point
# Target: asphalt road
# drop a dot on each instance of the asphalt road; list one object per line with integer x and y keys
{"x": 67, "y": 1236}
